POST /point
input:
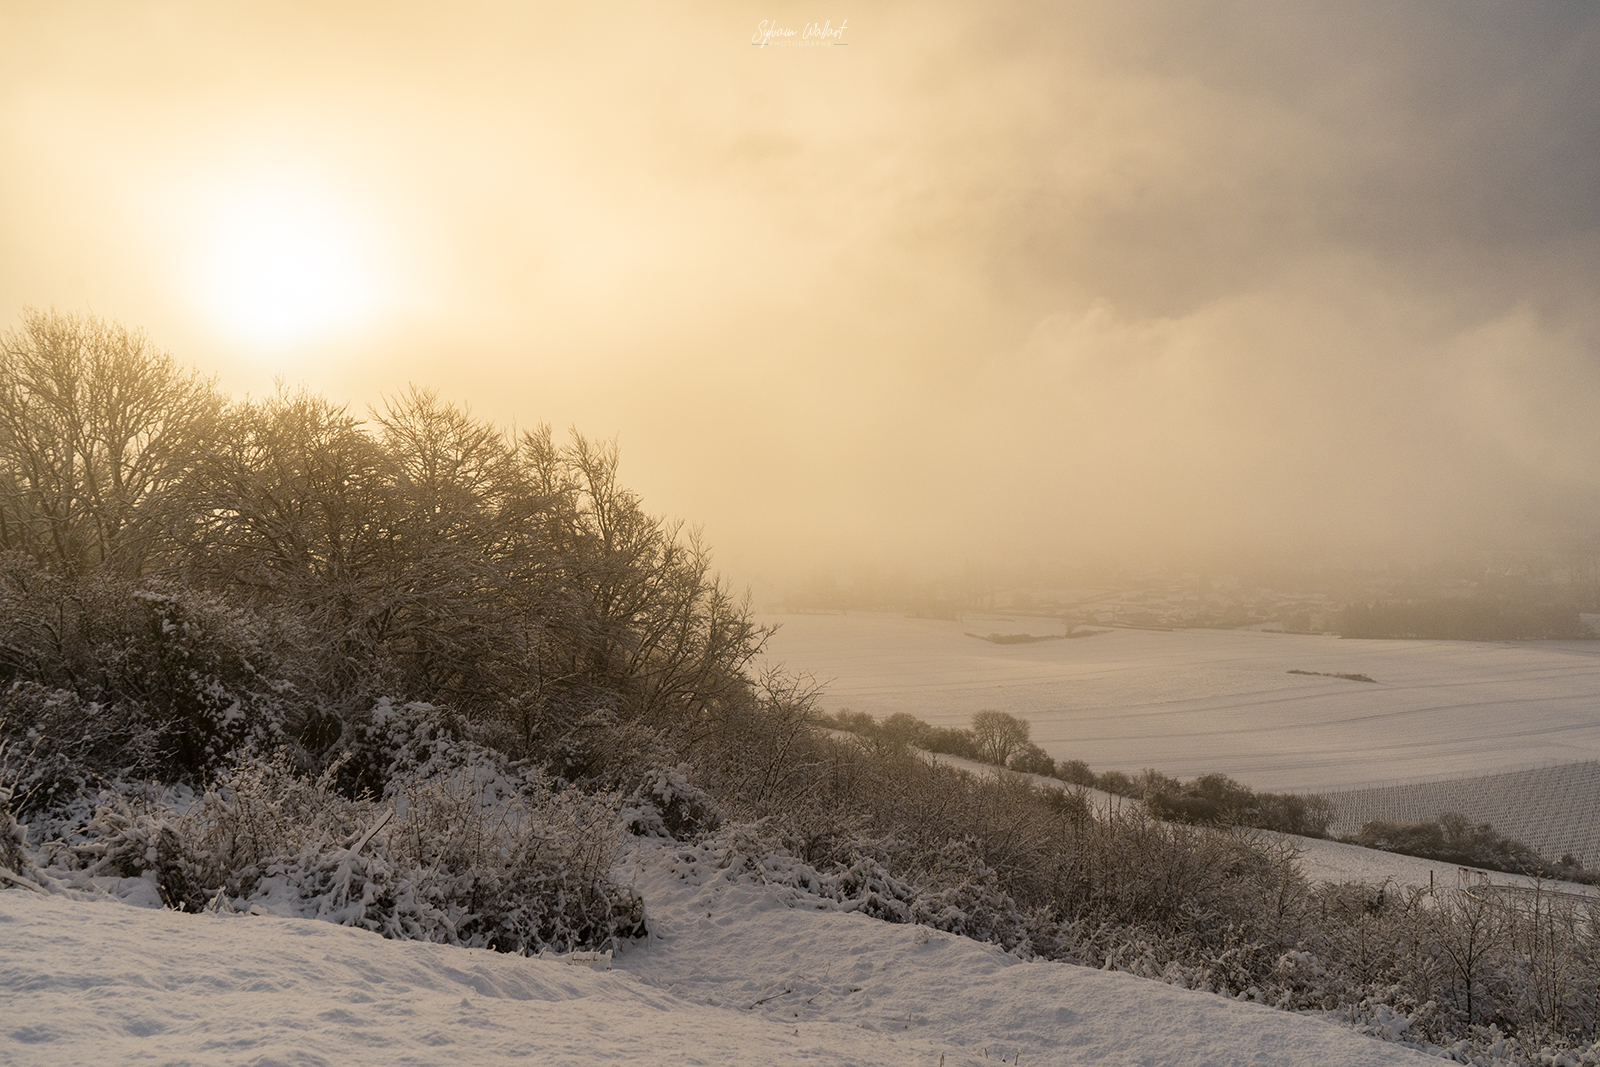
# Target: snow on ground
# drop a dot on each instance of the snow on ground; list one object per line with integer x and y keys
{"x": 105, "y": 983}
{"x": 738, "y": 974}
{"x": 1191, "y": 702}
{"x": 1333, "y": 861}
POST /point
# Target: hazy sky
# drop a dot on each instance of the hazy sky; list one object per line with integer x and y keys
{"x": 979, "y": 282}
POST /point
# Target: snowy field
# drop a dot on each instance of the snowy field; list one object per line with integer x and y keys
{"x": 1191, "y": 702}
{"x": 1331, "y": 861}
{"x": 739, "y": 974}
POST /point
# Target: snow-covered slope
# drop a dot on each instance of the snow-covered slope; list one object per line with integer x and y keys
{"x": 739, "y": 974}
{"x": 1192, "y": 702}
{"x": 1334, "y": 861}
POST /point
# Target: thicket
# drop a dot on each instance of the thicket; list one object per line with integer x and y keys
{"x": 459, "y": 852}
{"x": 187, "y": 583}
{"x": 1485, "y": 974}
{"x": 1452, "y": 838}
{"x": 416, "y": 674}
{"x": 1003, "y": 741}
{"x": 1218, "y": 799}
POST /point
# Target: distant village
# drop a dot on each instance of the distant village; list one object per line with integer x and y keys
{"x": 1503, "y": 600}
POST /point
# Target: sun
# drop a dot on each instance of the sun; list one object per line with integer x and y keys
{"x": 284, "y": 265}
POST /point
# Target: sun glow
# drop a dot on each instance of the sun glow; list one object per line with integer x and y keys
{"x": 283, "y": 266}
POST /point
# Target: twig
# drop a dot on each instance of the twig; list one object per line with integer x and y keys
{"x": 16, "y": 879}
{"x": 786, "y": 991}
{"x": 359, "y": 845}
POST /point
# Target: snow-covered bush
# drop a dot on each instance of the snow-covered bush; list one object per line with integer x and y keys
{"x": 13, "y": 839}
{"x": 107, "y": 676}
{"x": 64, "y": 747}
{"x": 998, "y": 858}
{"x": 664, "y": 802}
{"x": 751, "y": 853}
{"x": 205, "y": 673}
{"x": 473, "y": 854}
{"x": 1470, "y": 969}
{"x": 395, "y": 740}
{"x": 961, "y": 894}
{"x": 127, "y": 838}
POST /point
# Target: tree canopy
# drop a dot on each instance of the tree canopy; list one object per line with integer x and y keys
{"x": 417, "y": 555}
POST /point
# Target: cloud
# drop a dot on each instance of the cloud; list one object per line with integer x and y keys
{"x": 1015, "y": 281}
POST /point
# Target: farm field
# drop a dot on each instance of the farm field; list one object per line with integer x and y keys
{"x": 1551, "y": 809}
{"x": 1191, "y": 702}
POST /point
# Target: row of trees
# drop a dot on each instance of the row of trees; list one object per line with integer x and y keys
{"x": 994, "y": 737}
{"x": 1003, "y": 740}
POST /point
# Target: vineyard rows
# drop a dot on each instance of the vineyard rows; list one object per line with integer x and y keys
{"x": 1555, "y": 809}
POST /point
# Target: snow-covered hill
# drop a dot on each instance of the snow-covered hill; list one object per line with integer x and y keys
{"x": 1192, "y": 702}
{"x": 736, "y": 974}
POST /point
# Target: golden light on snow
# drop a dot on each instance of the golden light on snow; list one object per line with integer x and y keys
{"x": 282, "y": 265}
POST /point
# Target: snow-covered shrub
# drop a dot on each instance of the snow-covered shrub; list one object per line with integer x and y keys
{"x": 961, "y": 894}
{"x": 1001, "y": 859}
{"x": 742, "y": 854}
{"x": 750, "y": 853}
{"x": 395, "y": 739}
{"x": 1204, "y": 907}
{"x": 205, "y": 673}
{"x": 64, "y": 747}
{"x": 127, "y": 841}
{"x": 115, "y": 676}
{"x": 1486, "y": 974}
{"x": 466, "y": 852}
{"x": 664, "y": 802}
{"x": 13, "y": 839}
{"x": 581, "y": 733}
